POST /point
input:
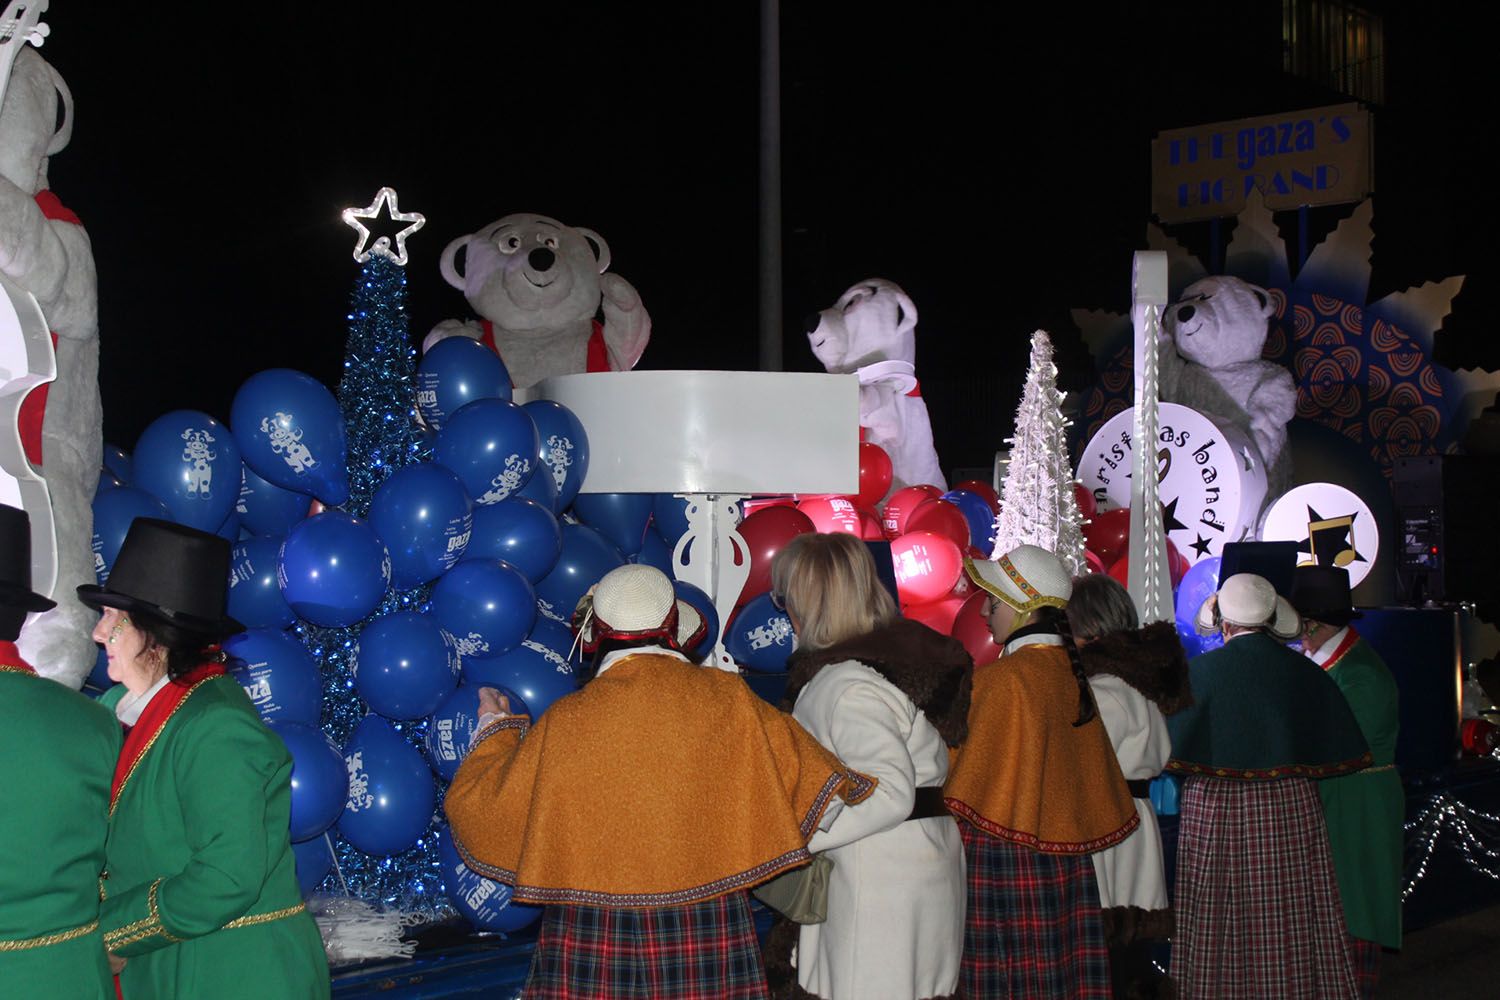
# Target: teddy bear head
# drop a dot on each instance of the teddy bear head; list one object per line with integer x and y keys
{"x": 1220, "y": 321}
{"x": 529, "y": 273}
{"x": 873, "y": 321}
{"x": 30, "y": 120}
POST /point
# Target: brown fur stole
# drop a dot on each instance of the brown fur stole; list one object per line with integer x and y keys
{"x": 932, "y": 669}
{"x": 1151, "y": 660}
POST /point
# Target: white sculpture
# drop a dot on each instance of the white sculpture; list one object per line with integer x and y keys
{"x": 44, "y": 250}
{"x": 871, "y": 332}
{"x": 539, "y": 288}
{"x": 1210, "y": 361}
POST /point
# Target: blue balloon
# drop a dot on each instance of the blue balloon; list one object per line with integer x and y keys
{"x": 190, "y": 462}
{"x": 405, "y": 665}
{"x": 423, "y": 515}
{"x": 669, "y": 514}
{"x": 117, "y": 461}
{"x": 705, "y": 607}
{"x": 255, "y": 597}
{"x": 620, "y": 517}
{"x": 484, "y": 902}
{"x": 114, "y": 511}
{"x": 519, "y": 531}
{"x": 279, "y": 675}
{"x": 487, "y": 605}
{"x": 230, "y": 529}
{"x": 492, "y": 445}
{"x": 291, "y": 432}
{"x": 1200, "y": 580}
{"x": 449, "y": 730}
{"x": 313, "y": 860}
{"x": 542, "y": 489}
{"x": 760, "y": 637}
{"x": 586, "y": 556}
{"x": 107, "y": 481}
{"x": 333, "y": 569}
{"x": 976, "y": 511}
{"x": 454, "y": 372}
{"x": 391, "y": 793}
{"x": 563, "y": 447}
{"x": 654, "y": 552}
{"x": 320, "y": 778}
{"x": 267, "y": 509}
{"x": 534, "y": 674}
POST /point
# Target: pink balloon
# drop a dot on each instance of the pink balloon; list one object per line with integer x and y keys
{"x": 942, "y": 518}
{"x": 971, "y": 629}
{"x": 936, "y": 615}
{"x": 870, "y": 528}
{"x": 902, "y": 502}
{"x": 927, "y": 566}
{"x": 831, "y": 514}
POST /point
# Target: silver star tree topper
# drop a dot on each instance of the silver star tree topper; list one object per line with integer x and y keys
{"x": 387, "y": 197}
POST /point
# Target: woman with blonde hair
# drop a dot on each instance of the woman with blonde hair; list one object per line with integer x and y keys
{"x": 888, "y": 697}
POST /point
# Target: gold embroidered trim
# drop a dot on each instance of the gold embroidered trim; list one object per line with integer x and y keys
{"x": 115, "y": 800}
{"x": 143, "y": 928}
{"x": 265, "y": 918}
{"x": 11, "y": 668}
{"x": 47, "y": 940}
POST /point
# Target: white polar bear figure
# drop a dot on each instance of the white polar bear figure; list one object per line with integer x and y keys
{"x": 871, "y": 332}
{"x": 1210, "y": 360}
{"x": 545, "y": 303}
{"x": 45, "y": 250}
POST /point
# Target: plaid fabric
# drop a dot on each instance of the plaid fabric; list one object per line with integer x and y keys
{"x": 1366, "y": 956}
{"x": 1257, "y": 906}
{"x": 702, "y": 951}
{"x": 1033, "y": 930}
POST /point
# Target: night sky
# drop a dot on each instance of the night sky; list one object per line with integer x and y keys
{"x": 996, "y": 165}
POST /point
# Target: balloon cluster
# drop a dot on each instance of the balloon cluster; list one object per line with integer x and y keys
{"x": 488, "y": 547}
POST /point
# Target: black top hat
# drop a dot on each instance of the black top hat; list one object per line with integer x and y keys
{"x": 15, "y": 563}
{"x": 177, "y": 573}
{"x": 1322, "y": 594}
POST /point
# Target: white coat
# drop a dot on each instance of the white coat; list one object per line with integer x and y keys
{"x": 896, "y": 894}
{"x": 1132, "y": 873}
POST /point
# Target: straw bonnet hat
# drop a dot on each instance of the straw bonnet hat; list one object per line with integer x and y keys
{"x": 1025, "y": 578}
{"x": 1249, "y": 601}
{"x": 636, "y": 602}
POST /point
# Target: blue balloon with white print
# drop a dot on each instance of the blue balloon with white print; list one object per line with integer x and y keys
{"x": 267, "y": 509}
{"x": 586, "y": 556}
{"x": 320, "y": 778}
{"x": 424, "y": 516}
{"x": 487, "y": 605}
{"x": 114, "y": 511}
{"x": 492, "y": 445}
{"x": 117, "y": 461}
{"x": 291, "y": 432}
{"x": 485, "y": 903}
{"x": 391, "y": 791}
{"x": 190, "y": 462}
{"x": 278, "y": 674}
{"x": 333, "y": 569}
{"x": 562, "y": 447}
{"x": 453, "y": 373}
{"x": 449, "y": 729}
{"x": 760, "y": 636}
{"x": 519, "y": 531}
{"x": 536, "y": 673}
{"x": 405, "y": 665}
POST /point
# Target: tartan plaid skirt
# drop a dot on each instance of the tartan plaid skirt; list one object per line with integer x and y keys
{"x": 701, "y": 951}
{"x": 1366, "y": 965}
{"x": 1033, "y": 930}
{"x": 1258, "y": 911}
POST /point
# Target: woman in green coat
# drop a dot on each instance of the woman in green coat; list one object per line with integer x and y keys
{"x": 200, "y": 896}
{"x": 1364, "y": 811}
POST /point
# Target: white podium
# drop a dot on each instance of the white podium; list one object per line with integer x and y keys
{"x": 714, "y": 438}
{"x": 26, "y": 361}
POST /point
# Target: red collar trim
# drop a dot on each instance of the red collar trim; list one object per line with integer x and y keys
{"x": 11, "y": 660}
{"x": 1350, "y": 638}
{"x": 143, "y": 734}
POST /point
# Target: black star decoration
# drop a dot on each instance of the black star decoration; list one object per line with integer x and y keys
{"x": 1169, "y": 522}
{"x": 1201, "y": 546}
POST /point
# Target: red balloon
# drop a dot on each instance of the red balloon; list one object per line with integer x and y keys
{"x": 941, "y": 518}
{"x": 971, "y": 629}
{"x": 870, "y": 528}
{"x": 766, "y": 533}
{"x": 752, "y": 504}
{"x": 1087, "y": 505}
{"x": 1120, "y": 570}
{"x": 1096, "y": 565}
{"x": 1177, "y": 565}
{"x": 983, "y": 489}
{"x": 830, "y": 514}
{"x": 1108, "y": 534}
{"x": 902, "y": 502}
{"x": 927, "y": 566}
{"x": 936, "y": 615}
{"x": 874, "y": 473}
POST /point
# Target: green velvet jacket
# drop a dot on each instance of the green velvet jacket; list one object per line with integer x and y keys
{"x": 1365, "y": 810}
{"x": 57, "y": 753}
{"x": 200, "y": 894}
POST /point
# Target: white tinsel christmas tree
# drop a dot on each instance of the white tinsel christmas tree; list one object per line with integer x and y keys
{"x": 1037, "y": 505}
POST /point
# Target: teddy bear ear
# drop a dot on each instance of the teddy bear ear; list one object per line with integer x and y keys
{"x": 448, "y": 263}
{"x": 1263, "y": 297}
{"x": 906, "y": 312}
{"x": 597, "y": 244}
{"x": 64, "y": 133}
